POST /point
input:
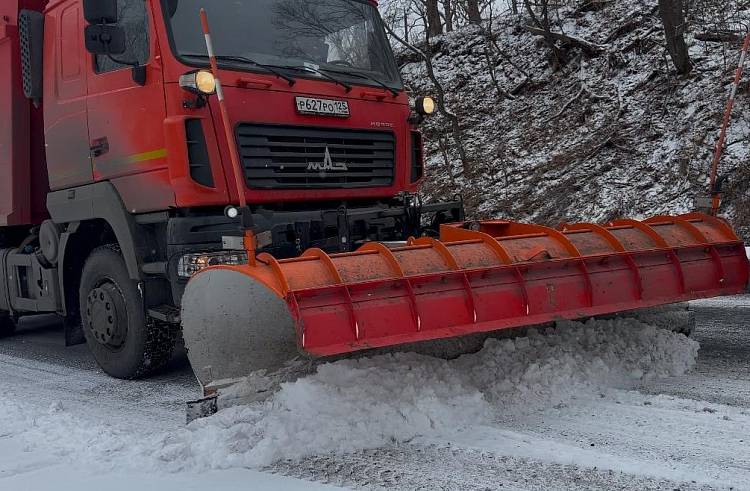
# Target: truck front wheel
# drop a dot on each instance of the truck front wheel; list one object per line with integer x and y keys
{"x": 124, "y": 342}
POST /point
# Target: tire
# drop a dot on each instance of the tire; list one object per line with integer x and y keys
{"x": 7, "y": 325}
{"x": 125, "y": 343}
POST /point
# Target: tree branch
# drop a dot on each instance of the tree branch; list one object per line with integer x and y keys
{"x": 455, "y": 123}
{"x": 587, "y": 46}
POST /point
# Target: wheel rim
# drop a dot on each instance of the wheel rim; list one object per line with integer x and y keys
{"x": 106, "y": 315}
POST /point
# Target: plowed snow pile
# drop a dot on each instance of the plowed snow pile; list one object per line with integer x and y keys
{"x": 366, "y": 403}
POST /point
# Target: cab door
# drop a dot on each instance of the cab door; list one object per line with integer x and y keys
{"x": 126, "y": 117}
{"x": 65, "y": 121}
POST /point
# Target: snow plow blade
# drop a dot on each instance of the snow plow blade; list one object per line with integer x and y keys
{"x": 479, "y": 278}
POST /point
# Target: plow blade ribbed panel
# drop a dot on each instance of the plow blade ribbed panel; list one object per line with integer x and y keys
{"x": 493, "y": 275}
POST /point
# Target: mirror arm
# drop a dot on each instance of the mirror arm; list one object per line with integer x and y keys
{"x": 139, "y": 74}
{"x": 138, "y": 70}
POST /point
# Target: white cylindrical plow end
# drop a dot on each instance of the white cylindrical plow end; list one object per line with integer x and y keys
{"x": 233, "y": 326}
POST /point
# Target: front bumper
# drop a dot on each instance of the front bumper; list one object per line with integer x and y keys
{"x": 334, "y": 228}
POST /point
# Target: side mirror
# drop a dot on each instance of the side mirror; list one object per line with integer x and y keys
{"x": 105, "y": 40}
{"x": 100, "y": 11}
{"x": 31, "y": 33}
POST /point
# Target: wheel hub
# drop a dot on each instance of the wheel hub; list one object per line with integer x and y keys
{"x": 105, "y": 311}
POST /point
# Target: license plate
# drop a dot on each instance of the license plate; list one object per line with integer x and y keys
{"x": 325, "y": 107}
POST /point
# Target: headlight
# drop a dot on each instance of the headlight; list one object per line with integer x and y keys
{"x": 425, "y": 105}
{"x": 192, "y": 263}
{"x": 200, "y": 82}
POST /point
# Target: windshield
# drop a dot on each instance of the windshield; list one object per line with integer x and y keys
{"x": 341, "y": 36}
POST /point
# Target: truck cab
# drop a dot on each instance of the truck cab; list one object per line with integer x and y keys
{"x": 116, "y": 162}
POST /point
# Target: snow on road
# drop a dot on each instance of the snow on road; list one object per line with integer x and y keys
{"x": 64, "y": 425}
{"x": 396, "y": 398}
{"x": 608, "y": 405}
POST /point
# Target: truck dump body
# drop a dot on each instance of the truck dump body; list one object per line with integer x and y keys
{"x": 502, "y": 275}
{"x": 23, "y": 172}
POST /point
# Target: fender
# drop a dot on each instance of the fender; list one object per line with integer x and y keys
{"x": 98, "y": 201}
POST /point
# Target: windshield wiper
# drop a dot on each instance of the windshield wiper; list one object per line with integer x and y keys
{"x": 248, "y": 61}
{"x": 308, "y": 68}
{"x": 365, "y": 76}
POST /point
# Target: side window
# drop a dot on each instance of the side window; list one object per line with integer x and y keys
{"x": 133, "y": 19}
{"x": 69, "y": 32}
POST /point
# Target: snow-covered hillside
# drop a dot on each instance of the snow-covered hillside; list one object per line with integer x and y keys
{"x": 605, "y": 135}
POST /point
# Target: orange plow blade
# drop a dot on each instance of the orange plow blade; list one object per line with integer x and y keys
{"x": 489, "y": 276}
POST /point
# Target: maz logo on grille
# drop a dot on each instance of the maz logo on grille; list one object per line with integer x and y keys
{"x": 304, "y": 157}
{"x": 327, "y": 164}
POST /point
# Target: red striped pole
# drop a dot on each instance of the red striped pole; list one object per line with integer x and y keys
{"x": 239, "y": 180}
{"x": 249, "y": 237}
{"x": 715, "y": 194}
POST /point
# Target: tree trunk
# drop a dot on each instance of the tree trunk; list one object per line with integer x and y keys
{"x": 559, "y": 57}
{"x": 434, "y": 24}
{"x": 448, "y": 9}
{"x": 472, "y": 9}
{"x": 406, "y": 25}
{"x": 673, "y": 18}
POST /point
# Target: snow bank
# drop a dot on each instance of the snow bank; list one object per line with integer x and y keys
{"x": 345, "y": 406}
{"x": 366, "y": 403}
{"x": 369, "y": 402}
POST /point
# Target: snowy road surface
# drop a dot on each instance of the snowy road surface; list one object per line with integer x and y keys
{"x": 608, "y": 405}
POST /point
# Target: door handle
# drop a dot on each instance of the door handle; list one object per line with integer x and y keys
{"x": 99, "y": 147}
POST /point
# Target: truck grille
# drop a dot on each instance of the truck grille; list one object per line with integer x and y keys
{"x": 283, "y": 157}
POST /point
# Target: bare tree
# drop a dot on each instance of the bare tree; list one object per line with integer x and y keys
{"x": 437, "y": 16}
{"x": 404, "y": 16}
{"x": 448, "y": 11}
{"x": 406, "y": 25}
{"x": 473, "y": 11}
{"x": 543, "y": 22}
{"x": 495, "y": 55}
{"x": 434, "y": 23}
{"x": 673, "y": 17}
{"x": 440, "y": 100}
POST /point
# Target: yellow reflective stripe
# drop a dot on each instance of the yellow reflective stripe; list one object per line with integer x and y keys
{"x": 152, "y": 155}
{"x": 110, "y": 166}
